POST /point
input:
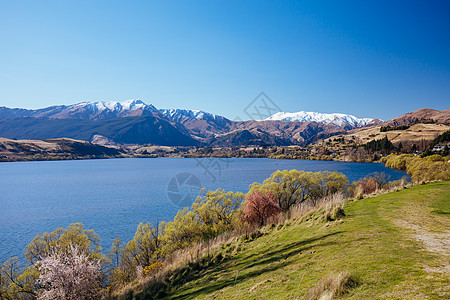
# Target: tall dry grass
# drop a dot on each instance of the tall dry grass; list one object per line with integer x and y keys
{"x": 182, "y": 259}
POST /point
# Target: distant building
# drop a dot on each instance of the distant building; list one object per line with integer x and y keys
{"x": 438, "y": 148}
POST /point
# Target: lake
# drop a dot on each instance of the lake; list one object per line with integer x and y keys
{"x": 112, "y": 196}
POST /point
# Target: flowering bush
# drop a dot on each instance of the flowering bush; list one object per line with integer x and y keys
{"x": 153, "y": 267}
{"x": 69, "y": 275}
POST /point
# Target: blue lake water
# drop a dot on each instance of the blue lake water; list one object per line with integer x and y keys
{"x": 112, "y": 196}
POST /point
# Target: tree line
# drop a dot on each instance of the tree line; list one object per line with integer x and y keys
{"x": 421, "y": 168}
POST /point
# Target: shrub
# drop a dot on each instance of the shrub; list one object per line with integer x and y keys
{"x": 421, "y": 169}
{"x": 17, "y": 282}
{"x": 424, "y": 170}
{"x": 434, "y": 158}
{"x": 294, "y": 187}
{"x": 142, "y": 251}
{"x": 152, "y": 268}
{"x": 217, "y": 212}
{"x": 398, "y": 162}
{"x": 259, "y": 207}
{"x": 370, "y": 184}
{"x": 44, "y": 250}
{"x": 69, "y": 275}
{"x": 211, "y": 215}
{"x": 86, "y": 241}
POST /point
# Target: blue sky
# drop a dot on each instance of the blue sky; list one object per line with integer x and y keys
{"x": 370, "y": 59}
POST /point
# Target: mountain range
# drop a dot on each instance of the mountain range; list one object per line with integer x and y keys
{"x": 84, "y": 111}
{"x": 135, "y": 122}
{"x": 337, "y": 119}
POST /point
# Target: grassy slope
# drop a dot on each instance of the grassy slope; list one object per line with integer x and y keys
{"x": 415, "y": 133}
{"x": 378, "y": 242}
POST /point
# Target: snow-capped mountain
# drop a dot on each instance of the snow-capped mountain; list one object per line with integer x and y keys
{"x": 114, "y": 106}
{"x": 336, "y": 119}
{"x": 85, "y": 110}
{"x": 181, "y": 115}
{"x": 107, "y": 110}
{"x": 198, "y": 123}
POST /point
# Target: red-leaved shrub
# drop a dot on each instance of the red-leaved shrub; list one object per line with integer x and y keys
{"x": 259, "y": 207}
{"x": 372, "y": 183}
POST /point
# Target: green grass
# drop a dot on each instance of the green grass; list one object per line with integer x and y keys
{"x": 441, "y": 205}
{"x": 372, "y": 243}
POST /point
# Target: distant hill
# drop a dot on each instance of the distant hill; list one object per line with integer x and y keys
{"x": 422, "y": 125}
{"x": 424, "y": 115}
{"x": 414, "y": 134}
{"x": 52, "y": 148}
{"x": 245, "y": 137}
{"x": 298, "y": 133}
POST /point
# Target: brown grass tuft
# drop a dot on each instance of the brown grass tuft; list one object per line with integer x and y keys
{"x": 333, "y": 286}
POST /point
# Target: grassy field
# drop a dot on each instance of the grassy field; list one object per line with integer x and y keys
{"x": 393, "y": 246}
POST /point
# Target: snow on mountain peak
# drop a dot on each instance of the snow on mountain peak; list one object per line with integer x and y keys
{"x": 115, "y": 106}
{"x": 337, "y": 119}
{"x": 178, "y": 114}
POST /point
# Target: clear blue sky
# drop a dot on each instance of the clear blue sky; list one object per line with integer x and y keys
{"x": 375, "y": 59}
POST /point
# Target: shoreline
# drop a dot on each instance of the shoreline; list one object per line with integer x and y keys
{"x": 71, "y": 157}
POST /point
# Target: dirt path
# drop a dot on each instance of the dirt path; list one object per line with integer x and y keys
{"x": 431, "y": 230}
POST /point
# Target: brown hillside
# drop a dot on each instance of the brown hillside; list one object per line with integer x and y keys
{"x": 51, "y": 149}
{"x": 296, "y": 132}
{"x": 416, "y": 133}
{"x": 421, "y": 115}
